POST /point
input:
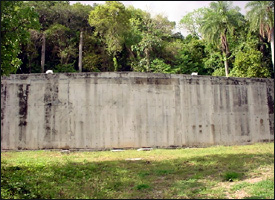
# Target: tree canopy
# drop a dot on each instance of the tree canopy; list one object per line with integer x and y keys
{"x": 221, "y": 41}
{"x": 16, "y": 21}
{"x": 261, "y": 18}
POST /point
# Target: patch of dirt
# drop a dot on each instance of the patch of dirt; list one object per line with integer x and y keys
{"x": 254, "y": 180}
{"x": 240, "y": 194}
{"x": 226, "y": 186}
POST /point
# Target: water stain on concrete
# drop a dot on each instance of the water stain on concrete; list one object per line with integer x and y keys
{"x": 23, "y": 93}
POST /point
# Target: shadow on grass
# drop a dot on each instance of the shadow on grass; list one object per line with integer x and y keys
{"x": 177, "y": 178}
{"x": 256, "y": 197}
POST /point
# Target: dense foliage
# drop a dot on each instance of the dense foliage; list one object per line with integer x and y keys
{"x": 16, "y": 21}
{"x": 222, "y": 42}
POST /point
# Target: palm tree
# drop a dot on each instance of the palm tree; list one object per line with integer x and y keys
{"x": 218, "y": 22}
{"x": 261, "y": 17}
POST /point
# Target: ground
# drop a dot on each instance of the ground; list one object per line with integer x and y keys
{"x": 231, "y": 172}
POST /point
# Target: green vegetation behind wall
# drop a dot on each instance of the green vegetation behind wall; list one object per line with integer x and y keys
{"x": 119, "y": 38}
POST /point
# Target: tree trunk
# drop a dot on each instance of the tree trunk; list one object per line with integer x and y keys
{"x": 225, "y": 50}
{"x": 115, "y": 64}
{"x": 262, "y": 46}
{"x": 225, "y": 64}
{"x": 30, "y": 70}
{"x": 272, "y": 46}
{"x": 147, "y": 59}
{"x": 43, "y": 53}
{"x": 132, "y": 55}
{"x": 80, "y": 52}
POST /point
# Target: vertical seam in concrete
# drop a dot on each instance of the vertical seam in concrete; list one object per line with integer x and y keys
{"x": 3, "y": 111}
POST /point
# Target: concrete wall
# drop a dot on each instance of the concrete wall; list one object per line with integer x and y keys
{"x": 119, "y": 110}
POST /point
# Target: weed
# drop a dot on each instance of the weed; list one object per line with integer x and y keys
{"x": 142, "y": 186}
{"x": 161, "y": 172}
{"x": 196, "y": 176}
{"x": 143, "y": 174}
{"x": 231, "y": 176}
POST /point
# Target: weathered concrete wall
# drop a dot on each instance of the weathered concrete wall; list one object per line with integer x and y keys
{"x": 119, "y": 110}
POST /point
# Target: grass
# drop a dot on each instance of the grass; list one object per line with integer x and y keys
{"x": 215, "y": 172}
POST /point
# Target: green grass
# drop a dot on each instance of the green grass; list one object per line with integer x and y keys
{"x": 214, "y": 172}
{"x": 263, "y": 189}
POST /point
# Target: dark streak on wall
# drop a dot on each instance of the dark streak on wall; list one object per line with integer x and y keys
{"x": 47, "y": 112}
{"x": 152, "y": 80}
{"x": 270, "y": 103}
{"x": 23, "y": 112}
{"x": 3, "y": 105}
{"x": 51, "y": 101}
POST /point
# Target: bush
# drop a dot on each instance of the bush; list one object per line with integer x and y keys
{"x": 65, "y": 68}
{"x": 219, "y": 72}
{"x": 142, "y": 186}
{"x": 248, "y": 63}
{"x": 159, "y": 66}
{"x": 231, "y": 176}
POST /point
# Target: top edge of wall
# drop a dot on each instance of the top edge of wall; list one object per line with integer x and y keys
{"x": 125, "y": 75}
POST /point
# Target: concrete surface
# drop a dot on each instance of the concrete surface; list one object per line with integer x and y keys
{"x": 133, "y": 110}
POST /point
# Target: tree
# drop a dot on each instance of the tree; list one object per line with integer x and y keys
{"x": 261, "y": 18}
{"x": 213, "y": 60}
{"x": 217, "y": 23}
{"x": 31, "y": 52}
{"x": 95, "y": 56}
{"x": 150, "y": 34}
{"x": 191, "y": 21}
{"x": 150, "y": 38}
{"x": 60, "y": 37}
{"x": 79, "y": 20}
{"x": 16, "y": 20}
{"x": 248, "y": 60}
{"x": 159, "y": 66}
{"x": 111, "y": 22}
{"x": 192, "y": 56}
{"x": 60, "y": 51}
{"x": 47, "y": 16}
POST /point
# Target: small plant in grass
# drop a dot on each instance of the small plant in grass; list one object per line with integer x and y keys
{"x": 161, "y": 172}
{"x": 143, "y": 174}
{"x": 232, "y": 176}
{"x": 142, "y": 186}
{"x": 196, "y": 176}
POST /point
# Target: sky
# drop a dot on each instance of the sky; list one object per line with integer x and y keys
{"x": 174, "y": 10}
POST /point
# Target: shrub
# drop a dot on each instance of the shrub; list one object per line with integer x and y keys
{"x": 142, "y": 186}
{"x": 231, "y": 176}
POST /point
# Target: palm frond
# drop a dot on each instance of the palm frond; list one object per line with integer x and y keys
{"x": 261, "y": 16}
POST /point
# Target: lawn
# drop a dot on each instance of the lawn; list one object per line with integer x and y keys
{"x": 215, "y": 172}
